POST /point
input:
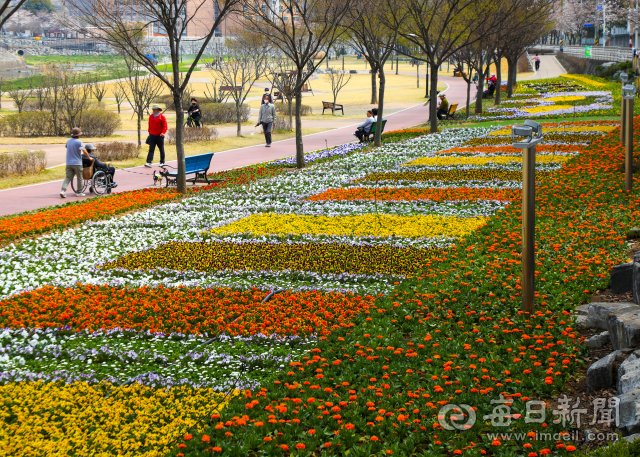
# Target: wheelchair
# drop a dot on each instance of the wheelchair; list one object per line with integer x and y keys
{"x": 99, "y": 182}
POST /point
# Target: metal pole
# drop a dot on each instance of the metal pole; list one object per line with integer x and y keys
{"x": 528, "y": 227}
{"x": 623, "y": 120}
{"x": 628, "y": 157}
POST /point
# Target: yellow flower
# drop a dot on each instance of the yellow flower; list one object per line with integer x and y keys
{"x": 566, "y": 98}
{"x": 543, "y": 109}
{"x": 584, "y": 80}
{"x": 364, "y": 225}
{"x": 78, "y": 419}
{"x": 483, "y": 160}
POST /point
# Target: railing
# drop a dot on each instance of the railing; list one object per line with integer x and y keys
{"x": 607, "y": 54}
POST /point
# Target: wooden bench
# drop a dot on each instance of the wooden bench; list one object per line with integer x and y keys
{"x": 230, "y": 89}
{"x": 333, "y": 107}
{"x": 451, "y": 114}
{"x": 194, "y": 165}
{"x": 372, "y": 133}
{"x": 277, "y": 95}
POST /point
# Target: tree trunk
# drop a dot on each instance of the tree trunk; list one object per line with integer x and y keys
{"x": 515, "y": 73}
{"x": 468, "y": 94}
{"x": 378, "y": 135}
{"x": 238, "y": 118}
{"x": 299, "y": 146}
{"x": 480, "y": 91}
{"x": 290, "y": 111}
{"x": 510, "y": 76}
{"x": 181, "y": 186}
{"x": 374, "y": 91}
{"x": 499, "y": 76}
{"x": 433, "y": 105}
{"x": 139, "y": 130}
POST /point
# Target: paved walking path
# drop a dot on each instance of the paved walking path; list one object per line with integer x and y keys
{"x": 549, "y": 68}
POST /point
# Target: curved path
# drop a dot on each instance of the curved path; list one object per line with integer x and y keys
{"x": 47, "y": 194}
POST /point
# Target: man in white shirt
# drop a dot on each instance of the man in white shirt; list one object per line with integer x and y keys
{"x": 365, "y": 127}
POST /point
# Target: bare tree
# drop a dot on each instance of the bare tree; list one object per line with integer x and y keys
{"x": 282, "y": 77}
{"x": 470, "y": 57}
{"x": 98, "y": 90}
{"x": 139, "y": 90}
{"x": 170, "y": 18}
{"x": 41, "y": 92}
{"x": 371, "y": 37}
{"x": 19, "y": 96}
{"x": 338, "y": 79}
{"x": 246, "y": 64}
{"x": 120, "y": 95}
{"x": 299, "y": 29}
{"x": 8, "y": 8}
{"x": 74, "y": 98}
{"x": 439, "y": 28}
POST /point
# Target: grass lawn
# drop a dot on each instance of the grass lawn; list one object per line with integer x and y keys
{"x": 222, "y": 144}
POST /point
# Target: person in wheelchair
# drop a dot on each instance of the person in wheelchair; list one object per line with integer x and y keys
{"x": 490, "y": 90}
{"x": 97, "y": 165}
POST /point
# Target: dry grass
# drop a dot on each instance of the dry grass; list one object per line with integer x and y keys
{"x": 22, "y": 162}
{"x": 12, "y": 140}
{"x": 222, "y": 144}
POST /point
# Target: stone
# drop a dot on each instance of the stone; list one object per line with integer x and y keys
{"x": 632, "y": 438}
{"x": 600, "y": 373}
{"x": 599, "y": 340}
{"x": 636, "y": 278}
{"x": 581, "y": 320}
{"x": 629, "y": 412}
{"x": 629, "y": 374}
{"x": 583, "y": 310}
{"x": 599, "y": 312}
{"x": 624, "y": 328}
{"x": 622, "y": 278}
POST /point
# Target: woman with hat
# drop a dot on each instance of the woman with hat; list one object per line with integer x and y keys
{"x": 157, "y": 130}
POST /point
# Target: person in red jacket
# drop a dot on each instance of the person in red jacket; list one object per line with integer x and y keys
{"x": 157, "y": 130}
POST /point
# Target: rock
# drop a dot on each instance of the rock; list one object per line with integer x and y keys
{"x": 632, "y": 438}
{"x": 600, "y": 374}
{"x": 583, "y": 310}
{"x": 599, "y": 312}
{"x": 581, "y": 320}
{"x": 629, "y": 374}
{"x": 636, "y": 278}
{"x": 622, "y": 278}
{"x": 599, "y": 340}
{"x": 624, "y": 327}
{"x": 629, "y": 412}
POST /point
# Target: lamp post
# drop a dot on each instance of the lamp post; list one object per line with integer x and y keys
{"x": 532, "y": 133}
{"x": 623, "y": 78}
{"x": 628, "y": 94}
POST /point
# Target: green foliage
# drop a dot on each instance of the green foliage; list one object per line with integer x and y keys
{"x": 621, "y": 448}
{"x": 39, "y": 6}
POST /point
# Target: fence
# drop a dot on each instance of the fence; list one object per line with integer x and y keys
{"x": 607, "y": 54}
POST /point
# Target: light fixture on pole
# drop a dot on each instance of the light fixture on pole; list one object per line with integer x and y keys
{"x": 526, "y": 137}
{"x": 628, "y": 94}
{"x": 623, "y": 77}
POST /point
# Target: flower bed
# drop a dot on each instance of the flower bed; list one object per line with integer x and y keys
{"x": 363, "y": 362}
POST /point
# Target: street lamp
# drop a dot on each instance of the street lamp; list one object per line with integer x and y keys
{"x": 628, "y": 94}
{"x": 526, "y": 137}
{"x": 623, "y": 77}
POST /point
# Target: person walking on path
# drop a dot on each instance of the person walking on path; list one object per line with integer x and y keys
{"x": 266, "y": 118}
{"x": 536, "y": 61}
{"x": 157, "y": 130}
{"x": 75, "y": 150}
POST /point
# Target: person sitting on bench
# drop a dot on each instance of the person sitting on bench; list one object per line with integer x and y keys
{"x": 365, "y": 127}
{"x": 97, "y": 165}
{"x": 443, "y": 107}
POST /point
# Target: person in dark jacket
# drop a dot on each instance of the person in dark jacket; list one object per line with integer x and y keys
{"x": 97, "y": 164}
{"x": 194, "y": 112}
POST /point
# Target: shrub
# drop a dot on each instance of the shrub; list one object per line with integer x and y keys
{"x": 22, "y": 162}
{"x": 283, "y": 108}
{"x": 223, "y": 113}
{"x": 116, "y": 150}
{"x": 34, "y": 123}
{"x": 167, "y": 101}
{"x": 97, "y": 122}
{"x": 282, "y": 123}
{"x": 194, "y": 135}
